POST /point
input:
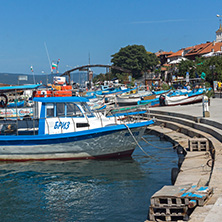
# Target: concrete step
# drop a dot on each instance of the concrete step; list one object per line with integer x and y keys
{"x": 190, "y": 127}
{"x": 196, "y": 119}
{"x": 189, "y": 121}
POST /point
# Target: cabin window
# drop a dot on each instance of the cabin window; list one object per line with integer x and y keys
{"x": 50, "y": 110}
{"x": 73, "y": 110}
{"x": 60, "y": 109}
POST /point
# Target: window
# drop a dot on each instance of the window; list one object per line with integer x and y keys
{"x": 49, "y": 110}
{"x": 60, "y": 109}
{"x": 73, "y": 110}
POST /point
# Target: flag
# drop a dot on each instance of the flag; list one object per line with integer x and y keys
{"x": 31, "y": 68}
{"x": 54, "y": 66}
{"x": 203, "y": 75}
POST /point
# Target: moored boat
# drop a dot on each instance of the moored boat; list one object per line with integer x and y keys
{"x": 64, "y": 128}
{"x": 153, "y": 99}
{"x": 131, "y": 99}
{"x": 184, "y": 98}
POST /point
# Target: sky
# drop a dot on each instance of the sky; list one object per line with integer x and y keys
{"x": 35, "y": 33}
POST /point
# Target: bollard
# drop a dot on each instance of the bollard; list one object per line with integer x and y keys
{"x": 205, "y": 106}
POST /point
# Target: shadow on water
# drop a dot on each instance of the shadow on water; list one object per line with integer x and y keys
{"x": 86, "y": 190}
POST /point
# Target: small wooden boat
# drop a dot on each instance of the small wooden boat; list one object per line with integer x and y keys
{"x": 190, "y": 97}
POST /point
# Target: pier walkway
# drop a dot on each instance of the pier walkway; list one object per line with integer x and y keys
{"x": 180, "y": 123}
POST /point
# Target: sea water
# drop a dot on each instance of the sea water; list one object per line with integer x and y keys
{"x": 87, "y": 190}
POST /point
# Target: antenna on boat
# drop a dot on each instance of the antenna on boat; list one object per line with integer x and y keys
{"x": 48, "y": 60}
{"x": 88, "y": 78}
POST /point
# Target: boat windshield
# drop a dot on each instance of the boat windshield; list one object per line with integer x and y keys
{"x": 69, "y": 109}
{"x": 73, "y": 110}
{"x": 87, "y": 110}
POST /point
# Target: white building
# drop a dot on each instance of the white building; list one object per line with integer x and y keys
{"x": 219, "y": 34}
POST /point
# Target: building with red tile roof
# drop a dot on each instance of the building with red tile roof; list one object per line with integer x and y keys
{"x": 176, "y": 56}
{"x": 163, "y": 56}
{"x": 169, "y": 59}
{"x": 197, "y": 50}
{"x": 193, "y": 51}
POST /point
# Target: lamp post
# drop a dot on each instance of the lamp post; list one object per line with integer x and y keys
{"x": 212, "y": 68}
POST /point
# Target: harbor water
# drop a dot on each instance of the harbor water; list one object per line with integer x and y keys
{"x": 88, "y": 190}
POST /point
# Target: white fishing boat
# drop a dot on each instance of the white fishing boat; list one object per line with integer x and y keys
{"x": 97, "y": 103}
{"x": 190, "y": 97}
{"x": 64, "y": 128}
{"x": 141, "y": 97}
{"x": 131, "y": 99}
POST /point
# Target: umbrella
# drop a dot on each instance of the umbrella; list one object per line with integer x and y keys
{"x": 209, "y": 54}
{"x": 212, "y": 54}
{"x": 177, "y": 60}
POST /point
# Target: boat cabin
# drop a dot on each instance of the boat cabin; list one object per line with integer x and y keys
{"x": 62, "y": 114}
{"x": 53, "y": 115}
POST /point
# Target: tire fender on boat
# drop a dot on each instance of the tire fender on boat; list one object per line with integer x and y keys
{"x": 2, "y": 103}
{"x": 174, "y": 173}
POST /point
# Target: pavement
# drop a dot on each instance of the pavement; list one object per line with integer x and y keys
{"x": 215, "y": 109}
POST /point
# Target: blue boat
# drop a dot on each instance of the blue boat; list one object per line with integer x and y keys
{"x": 153, "y": 99}
{"x": 16, "y": 104}
{"x": 64, "y": 128}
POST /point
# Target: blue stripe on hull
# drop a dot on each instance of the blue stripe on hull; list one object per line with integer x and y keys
{"x": 118, "y": 143}
{"x": 66, "y": 137}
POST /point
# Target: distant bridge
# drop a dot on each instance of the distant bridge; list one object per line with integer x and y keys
{"x": 86, "y": 68}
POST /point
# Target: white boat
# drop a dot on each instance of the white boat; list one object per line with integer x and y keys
{"x": 131, "y": 99}
{"x": 182, "y": 100}
{"x": 64, "y": 128}
{"x": 194, "y": 96}
{"x": 138, "y": 98}
{"x": 97, "y": 103}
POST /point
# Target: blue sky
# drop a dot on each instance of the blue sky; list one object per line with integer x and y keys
{"x": 73, "y": 29}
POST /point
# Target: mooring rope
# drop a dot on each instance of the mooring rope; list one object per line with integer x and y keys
{"x": 206, "y": 154}
{"x": 137, "y": 142}
{"x": 203, "y": 166}
{"x": 161, "y": 148}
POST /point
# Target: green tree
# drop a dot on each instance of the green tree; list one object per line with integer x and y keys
{"x": 186, "y": 66}
{"x": 101, "y": 77}
{"x": 211, "y": 66}
{"x": 152, "y": 61}
{"x": 134, "y": 58}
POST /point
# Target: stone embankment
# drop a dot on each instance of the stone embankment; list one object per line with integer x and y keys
{"x": 184, "y": 126}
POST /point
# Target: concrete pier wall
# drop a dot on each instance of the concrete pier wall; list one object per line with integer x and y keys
{"x": 180, "y": 123}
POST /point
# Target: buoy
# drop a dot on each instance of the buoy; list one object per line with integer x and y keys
{"x": 180, "y": 150}
{"x": 174, "y": 173}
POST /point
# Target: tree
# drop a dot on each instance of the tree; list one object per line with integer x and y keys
{"x": 99, "y": 78}
{"x": 152, "y": 61}
{"x": 212, "y": 66}
{"x": 134, "y": 58}
{"x": 186, "y": 66}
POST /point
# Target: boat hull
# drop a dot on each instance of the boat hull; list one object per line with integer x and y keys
{"x": 182, "y": 100}
{"x": 127, "y": 101}
{"x": 93, "y": 145}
